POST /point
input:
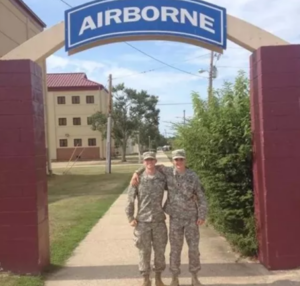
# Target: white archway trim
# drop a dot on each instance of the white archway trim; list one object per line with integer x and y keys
{"x": 249, "y": 36}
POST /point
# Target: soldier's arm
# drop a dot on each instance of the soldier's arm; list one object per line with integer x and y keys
{"x": 167, "y": 171}
{"x": 132, "y": 194}
{"x": 200, "y": 199}
{"x": 160, "y": 167}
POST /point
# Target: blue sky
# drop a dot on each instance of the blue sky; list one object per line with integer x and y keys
{"x": 173, "y": 87}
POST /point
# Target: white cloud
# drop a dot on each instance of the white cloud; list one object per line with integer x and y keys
{"x": 133, "y": 58}
{"x": 60, "y": 64}
{"x": 156, "y": 82}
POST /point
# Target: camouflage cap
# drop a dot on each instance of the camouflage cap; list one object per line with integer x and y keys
{"x": 179, "y": 153}
{"x": 149, "y": 155}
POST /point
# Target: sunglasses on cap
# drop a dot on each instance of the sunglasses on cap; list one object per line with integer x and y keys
{"x": 178, "y": 159}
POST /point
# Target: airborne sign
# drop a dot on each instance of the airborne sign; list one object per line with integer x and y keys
{"x": 120, "y": 18}
{"x": 150, "y": 14}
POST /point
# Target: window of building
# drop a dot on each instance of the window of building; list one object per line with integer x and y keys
{"x": 89, "y": 120}
{"x": 76, "y": 121}
{"x": 61, "y": 100}
{"x": 77, "y": 142}
{"x": 62, "y": 121}
{"x": 92, "y": 142}
{"x": 76, "y": 99}
{"x": 63, "y": 143}
{"x": 90, "y": 99}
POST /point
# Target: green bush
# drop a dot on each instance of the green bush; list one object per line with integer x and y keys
{"x": 218, "y": 145}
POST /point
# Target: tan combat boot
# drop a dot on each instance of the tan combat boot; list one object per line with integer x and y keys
{"x": 158, "y": 281}
{"x": 175, "y": 281}
{"x": 195, "y": 280}
{"x": 147, "y": 281}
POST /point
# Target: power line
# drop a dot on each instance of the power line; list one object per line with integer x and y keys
{"x": 65, "y": 2}
{"x": 166, "y": 64}
{"x": 176, "y": 103}
{"x": 232, "y": 67}
{"x": 154, "y": 69}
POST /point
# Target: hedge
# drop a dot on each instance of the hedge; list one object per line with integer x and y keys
{"x": 218, "y": 144}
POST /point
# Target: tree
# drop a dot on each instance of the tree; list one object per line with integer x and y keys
{"x": 132, "y": 112}
{"x": 162, "y": 140}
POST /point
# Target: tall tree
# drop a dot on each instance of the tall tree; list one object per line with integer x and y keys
{"x": 132, "y": 112}
{"x": 147, "y": 116}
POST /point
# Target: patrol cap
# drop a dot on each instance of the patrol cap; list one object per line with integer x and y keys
{"x": 149, "y": 155}
{"x": 178, "y": 154}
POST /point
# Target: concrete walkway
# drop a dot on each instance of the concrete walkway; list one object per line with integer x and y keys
{"x": 107, "y": 257}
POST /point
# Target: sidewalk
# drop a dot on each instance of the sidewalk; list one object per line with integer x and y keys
{"x": 107, "y": 257}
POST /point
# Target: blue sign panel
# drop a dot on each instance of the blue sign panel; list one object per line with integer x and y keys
{"x": 107, "y": 19}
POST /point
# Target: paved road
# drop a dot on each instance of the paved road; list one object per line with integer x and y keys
{"x": 107, "y": 257}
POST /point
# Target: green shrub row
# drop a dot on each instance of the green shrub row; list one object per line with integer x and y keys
{"x": 219, "y": 148}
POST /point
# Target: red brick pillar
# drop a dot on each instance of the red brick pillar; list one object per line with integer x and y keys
{"x": 275, "y": 104}
{"x": 24, "y": 235}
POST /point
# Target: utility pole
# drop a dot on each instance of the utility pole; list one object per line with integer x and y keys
{"x": 139, "y": 140}
{"x": 108, "y": 136}
{"x": 210, "y": 79}
{"x": 184, "y": 117}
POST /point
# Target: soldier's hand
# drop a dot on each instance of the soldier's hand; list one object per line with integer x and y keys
{"x": 200, "y": 222}
{"x": 133, "y": 223}
{"x": 134, "y": 180}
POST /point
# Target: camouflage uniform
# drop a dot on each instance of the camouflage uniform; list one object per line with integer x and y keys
{"x": 151, "y": 228}
{"x": 186, "y": 203}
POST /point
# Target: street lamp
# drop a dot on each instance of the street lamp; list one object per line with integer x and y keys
{"x": 214, "y": 72}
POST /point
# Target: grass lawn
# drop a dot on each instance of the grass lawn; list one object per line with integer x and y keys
{"x": 76, "y": 202}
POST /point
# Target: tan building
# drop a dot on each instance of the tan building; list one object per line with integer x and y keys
{"x": 17, "y": 24}
{"x": 71, "y": 100}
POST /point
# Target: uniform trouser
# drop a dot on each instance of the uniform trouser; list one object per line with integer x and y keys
{"x": 189, "y": 229}
{"x": 148, "y": 235}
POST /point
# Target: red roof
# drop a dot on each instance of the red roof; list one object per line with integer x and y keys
{"x": 71, "y": 81}
{"x": 30, "y": 12}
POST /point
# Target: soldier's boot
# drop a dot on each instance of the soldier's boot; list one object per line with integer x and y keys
{"x": 175, "y": 281}
{"x": 147, "y": 281}
{"x": 195, "y": 280}
{"x": 158, "y": 281}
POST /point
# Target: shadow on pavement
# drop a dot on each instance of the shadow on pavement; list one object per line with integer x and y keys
{"x": 277, "y": 283}
{"x": 131, "y": 271}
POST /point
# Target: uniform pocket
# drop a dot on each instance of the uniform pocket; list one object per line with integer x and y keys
{"x": 137, "y": 238}
{"x": 142, "y": 236}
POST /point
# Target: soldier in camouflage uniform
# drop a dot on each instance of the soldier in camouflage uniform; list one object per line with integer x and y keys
{"x": 150, "y": 226}
{"x": 186, "y": 205}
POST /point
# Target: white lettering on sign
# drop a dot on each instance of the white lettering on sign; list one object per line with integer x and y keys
{"x": 113, "y": 14}
{"x": 145, "y": 13}
{"x": 149, "y": 14}
{"x": 87, "y": 24}
{"x": 169, "y": 12}
{"x": 132, "y": 14}
{"x": 184, "y": 14}
{"x": 206, "y": 21}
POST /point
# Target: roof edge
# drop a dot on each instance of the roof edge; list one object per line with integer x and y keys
{"x": 75, "y": 88}
{"x": 96, "y": 85}
{"x": 23, "y": 5}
